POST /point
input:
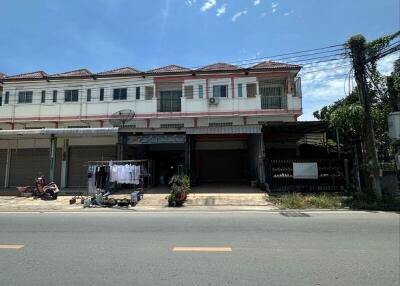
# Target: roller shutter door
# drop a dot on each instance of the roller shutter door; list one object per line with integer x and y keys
{"x": 78, "y": 158}
{"x": 3, "y": 160}
{"x": 27, "y": 164}
{"x": 222, "y": 166}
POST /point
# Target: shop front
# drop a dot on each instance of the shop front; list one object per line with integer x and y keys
{"x": 58, "y": 154}
{"x": 167, "y": 151}
{"x": 3, "y": 163}
{"x": 226, "y": 155}
{"x": 30, "y": 163}
{"x": 221, "y": 159}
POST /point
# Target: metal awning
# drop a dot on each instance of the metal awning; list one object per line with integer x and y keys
{"x": 58, "y": 132}
{"x": 246, "y": 129}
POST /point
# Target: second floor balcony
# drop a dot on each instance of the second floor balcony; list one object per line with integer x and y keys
{"x": 262, "y": 97}
{"x": 169, "y": 101}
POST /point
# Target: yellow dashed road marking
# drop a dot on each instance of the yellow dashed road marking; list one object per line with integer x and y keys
{"x": 11, "y": 246}
{"x": 202, "y": 249}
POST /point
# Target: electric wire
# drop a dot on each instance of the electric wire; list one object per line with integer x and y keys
{"x": 286, "y": 54}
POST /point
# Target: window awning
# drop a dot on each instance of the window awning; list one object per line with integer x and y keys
{"x": 58, "y": 132}
{"x": 247, "y": 129}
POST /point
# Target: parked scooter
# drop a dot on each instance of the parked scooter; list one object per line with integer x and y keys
{"x": 45, "y": 191}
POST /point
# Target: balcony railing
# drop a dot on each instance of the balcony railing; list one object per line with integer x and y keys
{"x": 273, "y": 102}
{"x": 169, "y": 105}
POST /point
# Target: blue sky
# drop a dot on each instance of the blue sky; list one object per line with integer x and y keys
{"x": 57, "y": 36}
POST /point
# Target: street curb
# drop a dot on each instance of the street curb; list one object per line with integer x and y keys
{"x": 183, "y": 210}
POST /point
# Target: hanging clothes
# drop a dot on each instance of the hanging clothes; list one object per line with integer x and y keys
{"x": 102, "y": 176}
{"x": 91, "y": 180}
{"x": 105, "y": 177}
{"x": 114, "y": 173}
{"x": 136, "y": 175}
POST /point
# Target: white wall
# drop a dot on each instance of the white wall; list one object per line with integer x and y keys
{"x": 38, "y": 114}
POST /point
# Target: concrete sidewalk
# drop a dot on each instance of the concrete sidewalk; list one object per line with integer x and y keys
{"x": 153, "y": 202}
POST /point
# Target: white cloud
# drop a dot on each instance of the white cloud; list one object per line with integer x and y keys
{"x": 190, "y": 2}
{"x": 385, "y": 65}
{"x": 208, "y": 5}
{"x": 263, "y": 14}
{"x": 288, "y": 13}
{"x": 238, "y": 14}
{"x": 274, "y": 7}
{"x": 256, "y": 2}
{"x": 221, "y": 10}
{"x": 324, "y": 83}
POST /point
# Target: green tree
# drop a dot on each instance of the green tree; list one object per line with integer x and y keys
{"x": 346, "y": 114}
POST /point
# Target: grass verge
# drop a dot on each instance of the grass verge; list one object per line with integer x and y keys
{"x": 358, "y": 201}
{"x": 362, "y": 201}
{"x": 306, "y": 201}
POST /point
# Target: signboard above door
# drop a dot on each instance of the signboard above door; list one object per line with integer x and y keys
{"x": 157, "y": 139}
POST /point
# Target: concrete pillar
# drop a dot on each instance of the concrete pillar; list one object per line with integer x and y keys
{"x": 183, "y": 104}
{"x": 64, "y": 163}
{"x": 188, "y": 153}
{"x": 207, "y": 89}
{"x": 121, "y": 145}
{"x": 53, "y": 152}
{"x": 7, "y": 173}
{"x": 232, "y": 88}
{"x": 261, "y": 155}
{"x": 289, "y": 83}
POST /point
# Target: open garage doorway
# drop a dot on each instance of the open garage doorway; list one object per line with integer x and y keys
{"x": 221, "y": 160}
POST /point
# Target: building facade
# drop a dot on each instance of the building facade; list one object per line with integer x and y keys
{"x": 207, "y": 121}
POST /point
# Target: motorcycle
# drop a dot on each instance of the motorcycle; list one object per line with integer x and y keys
{"x": 45, "y": 191}
{"x": 42, "y": 190}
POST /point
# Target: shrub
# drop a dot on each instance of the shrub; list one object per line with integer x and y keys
{"x": 180, "y": 187}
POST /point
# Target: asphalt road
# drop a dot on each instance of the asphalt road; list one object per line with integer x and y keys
{"x": 137, "y": 249}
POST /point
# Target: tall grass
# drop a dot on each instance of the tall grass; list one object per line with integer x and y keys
{"x": 307, "y": 201}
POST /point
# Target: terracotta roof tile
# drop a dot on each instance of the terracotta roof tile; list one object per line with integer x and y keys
{"x": 223, "y": 67}
{"x": 219, "y": 67}
{"x": 74, "y": 73}
{"x": 170, "y": 68}
{"x": 120, "y": 71}
{"x": 274, "y": 65}
{"x": 31, "y": 75}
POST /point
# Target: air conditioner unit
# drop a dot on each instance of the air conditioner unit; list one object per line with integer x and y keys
{"x": 213, "y": 101}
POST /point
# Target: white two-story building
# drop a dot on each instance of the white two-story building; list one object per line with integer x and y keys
{"x": 208, "y": 120}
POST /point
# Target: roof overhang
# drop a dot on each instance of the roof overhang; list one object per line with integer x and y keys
{"x": 296, "y": 127}
{"x": 247, "y": 129}
{"x": 57, "y": 132}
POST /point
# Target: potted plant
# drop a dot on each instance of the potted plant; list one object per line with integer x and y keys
{"x": 180, "y": 187}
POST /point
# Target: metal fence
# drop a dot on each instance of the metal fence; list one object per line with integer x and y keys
{"x": 169, "y": 105}
{"x": 273, "y": 102}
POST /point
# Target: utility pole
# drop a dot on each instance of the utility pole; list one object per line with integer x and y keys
{"x": 357, "y": 45}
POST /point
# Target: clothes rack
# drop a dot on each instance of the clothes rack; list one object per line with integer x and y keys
{"x": 95, "y": 168}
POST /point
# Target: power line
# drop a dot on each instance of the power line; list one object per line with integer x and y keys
{"x": 325, "y": 69}
{"x": 287, "y": 54}
{"x": 305, "y": 61}
{"x": 390, "y": 49}
{"x": 249, "y": 61}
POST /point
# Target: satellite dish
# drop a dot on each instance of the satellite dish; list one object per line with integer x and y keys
{"x": 120, "y": 118}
